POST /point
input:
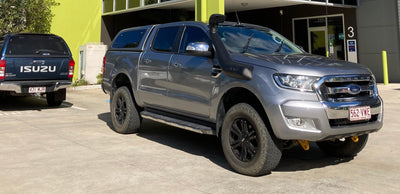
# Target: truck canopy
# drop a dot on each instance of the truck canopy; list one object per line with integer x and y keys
{"x": 35, "y": 57}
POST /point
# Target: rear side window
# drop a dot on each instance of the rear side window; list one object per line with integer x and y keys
{"x": 165, "y": 39}
{"x": 36, "y": 45}
{"x": 129, "y": 39}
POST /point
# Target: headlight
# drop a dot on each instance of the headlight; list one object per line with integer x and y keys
{"x": 298, "y": 82}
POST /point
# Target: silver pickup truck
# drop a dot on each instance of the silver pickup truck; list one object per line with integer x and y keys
{"x": 246, "y": 84}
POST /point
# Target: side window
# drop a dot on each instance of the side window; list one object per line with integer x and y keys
{"x": 193, "y": 34}
{"x": 129, "y": 39}
{"x": 165, "y": 39}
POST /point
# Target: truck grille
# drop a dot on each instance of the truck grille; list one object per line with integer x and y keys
{"x": 344, "y": 91}
{"x": 346, "y": 88}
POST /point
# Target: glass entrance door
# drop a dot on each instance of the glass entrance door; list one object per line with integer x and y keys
{"x": 318, "y": 42}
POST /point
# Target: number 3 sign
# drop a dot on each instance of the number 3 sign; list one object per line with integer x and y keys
{"x": 350, "y": 33}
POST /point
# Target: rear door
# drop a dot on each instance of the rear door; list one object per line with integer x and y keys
{"x": 153, "y": 67}
{"x": 36, "y": 57}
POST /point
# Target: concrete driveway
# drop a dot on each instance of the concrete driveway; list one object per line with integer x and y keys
{"x": 72, "y": 149}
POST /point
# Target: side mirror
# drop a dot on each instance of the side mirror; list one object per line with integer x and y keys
{"x": 200, "y": 49}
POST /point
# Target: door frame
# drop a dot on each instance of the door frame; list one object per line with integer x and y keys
{"x": 326, "y": 23}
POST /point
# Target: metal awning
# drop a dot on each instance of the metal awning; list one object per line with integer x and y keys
{"x": 230, "y": 5}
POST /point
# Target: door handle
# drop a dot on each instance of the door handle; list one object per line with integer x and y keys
{"x": 147, "y": 61}
{"x": 216, "y": 71}
{"x": 177, "y": 65}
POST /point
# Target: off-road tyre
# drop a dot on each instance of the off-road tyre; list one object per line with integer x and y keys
{"x": 56, "y": 98}
{"x": 124, "y": 115}
{"x": 246, "y": 142}
{"x": 343, "y": 148}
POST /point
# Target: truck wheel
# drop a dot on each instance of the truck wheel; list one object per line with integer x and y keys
{"x": 246, "y": 142}
{"x": 124, "y": 116}
{"x": 343, "y": 147}
{"x": 56, "y": 98}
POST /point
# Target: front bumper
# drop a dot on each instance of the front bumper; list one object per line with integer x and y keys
{"x": 23, "y": 86}
{"x": 322, "y": 118}
{"x": 324, "y": 113}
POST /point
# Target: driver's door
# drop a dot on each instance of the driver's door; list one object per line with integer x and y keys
{"x": 190, "y": 77}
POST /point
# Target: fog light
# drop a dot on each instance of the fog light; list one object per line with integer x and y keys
{"x": 301, "y": 123}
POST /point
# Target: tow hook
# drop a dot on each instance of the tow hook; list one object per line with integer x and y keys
{"x": 355, "y": 139}
{"x": 304, "y": 144}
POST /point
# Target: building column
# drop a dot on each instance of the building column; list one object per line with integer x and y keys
{"x": 205, "y": 8}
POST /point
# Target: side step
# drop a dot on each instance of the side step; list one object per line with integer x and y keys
{"x": 190, "y": 126}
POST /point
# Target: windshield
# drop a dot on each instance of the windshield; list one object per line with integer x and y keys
{"x": 36, "y": 45}
{"x": 255, "y": 41}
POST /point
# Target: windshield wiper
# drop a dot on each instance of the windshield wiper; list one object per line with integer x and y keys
{"x": 43, "y": 52}
{"x": 247, "y": 44}
{"x": 48, "y": 52}
{"x": 279, "y": 48}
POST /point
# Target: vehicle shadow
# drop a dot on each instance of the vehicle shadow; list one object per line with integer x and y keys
{"x": 106, "y": 117}
{"x": 23, "y": 103}
{"x": 295, "y": 159}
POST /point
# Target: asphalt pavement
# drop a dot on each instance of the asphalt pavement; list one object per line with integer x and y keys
{"x": 72, "y": 149}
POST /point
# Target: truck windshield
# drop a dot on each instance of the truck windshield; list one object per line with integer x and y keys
{"x": 36, "y": 45}
{"x": 245, "y": 39}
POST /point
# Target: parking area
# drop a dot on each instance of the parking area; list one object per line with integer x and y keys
{"x": 72, "y": 149}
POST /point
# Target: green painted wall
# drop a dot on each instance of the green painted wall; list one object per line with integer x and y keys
{"x": 134, "y": 3}
{"x": 205, "y": 8}
{"x": 78, "y": 22}
{"x": 108, "y": 6}
{"x": 120, "y": 4}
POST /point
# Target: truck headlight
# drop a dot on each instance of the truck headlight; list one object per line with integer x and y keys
{"x": 297, "y": 82}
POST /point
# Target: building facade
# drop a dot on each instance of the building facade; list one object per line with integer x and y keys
{"x": 79, "y": 23}
{"x": 352, "y": 30}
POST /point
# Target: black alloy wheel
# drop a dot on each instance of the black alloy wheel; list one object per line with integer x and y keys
{"x": 120, "y": 110}
{"x": 243, "y": 140}
{"x": 124, "y": 114}
{"x": 247, "y": 145}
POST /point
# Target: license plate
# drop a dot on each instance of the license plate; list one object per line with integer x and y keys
{"x": 37, "y": 89}
{"x": 360, "y": 113}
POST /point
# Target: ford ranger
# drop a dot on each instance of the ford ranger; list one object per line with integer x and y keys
{"x": 246, "y": 84}
{"x": 35, "y": 64}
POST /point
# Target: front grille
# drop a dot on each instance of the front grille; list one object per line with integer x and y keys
{"x": 346, "y": 88}
{"x": 338, "y": 93}
{"x": 347, "y": 122}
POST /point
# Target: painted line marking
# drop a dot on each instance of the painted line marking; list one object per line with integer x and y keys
{"x": 78, "y": 108}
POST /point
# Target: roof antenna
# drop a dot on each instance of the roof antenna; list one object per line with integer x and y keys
{"x": 237, "y": 18}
